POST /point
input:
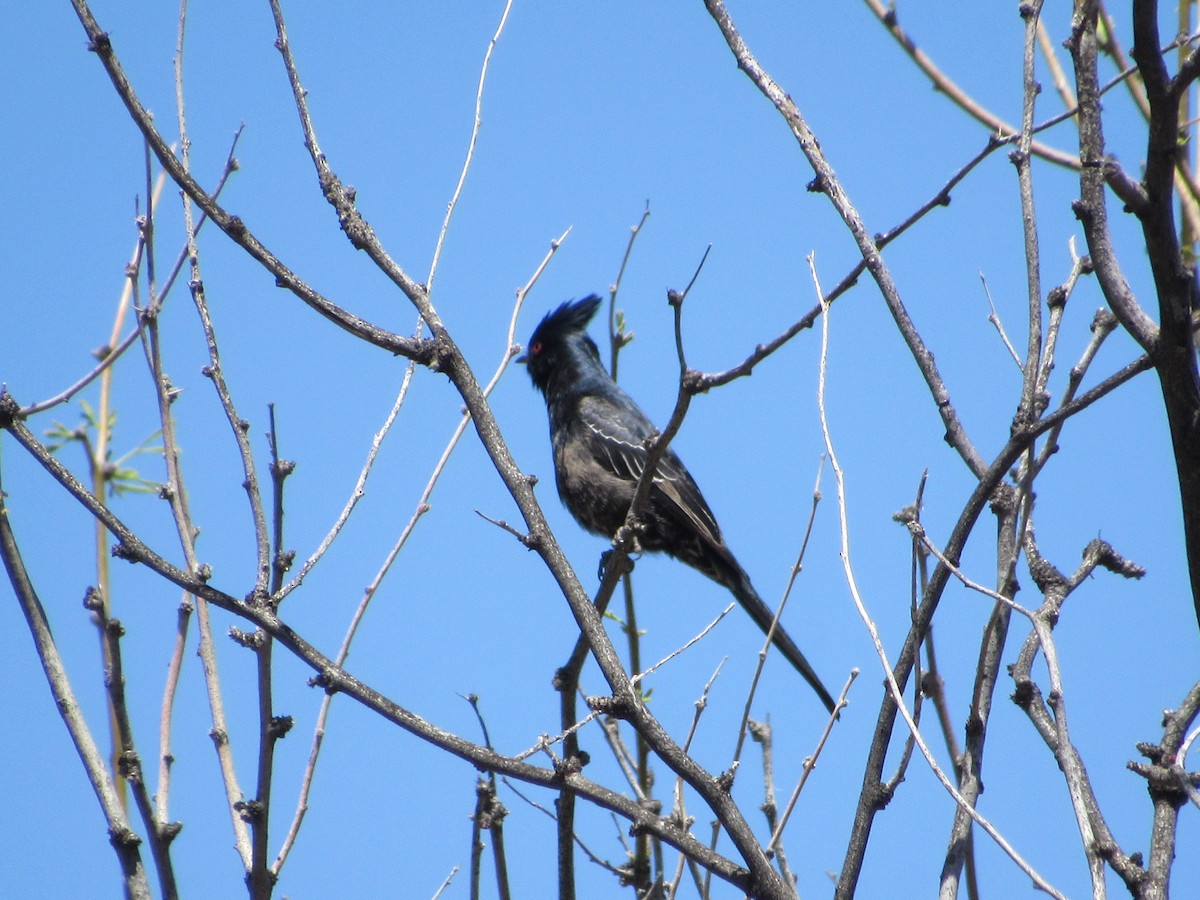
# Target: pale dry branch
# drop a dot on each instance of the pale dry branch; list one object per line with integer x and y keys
{"x": 897, "y": 694}
{"x": 475, "y": 126}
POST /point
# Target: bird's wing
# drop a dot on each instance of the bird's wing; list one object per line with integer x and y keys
{"x": 618, "y": 436}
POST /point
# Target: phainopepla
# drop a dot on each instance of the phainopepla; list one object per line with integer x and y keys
{"x": 598, "y": 435}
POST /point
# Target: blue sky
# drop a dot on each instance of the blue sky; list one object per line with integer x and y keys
{"x": 590, "y": 112}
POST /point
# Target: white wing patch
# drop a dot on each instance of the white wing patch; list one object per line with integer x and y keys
{"x": 631, "y": 458}
{"x": 630, "y": 461}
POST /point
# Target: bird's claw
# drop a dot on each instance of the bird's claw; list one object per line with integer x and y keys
{"x": 602, "y": 569}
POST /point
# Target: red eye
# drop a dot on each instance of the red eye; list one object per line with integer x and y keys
{"x": 536, "y": 347}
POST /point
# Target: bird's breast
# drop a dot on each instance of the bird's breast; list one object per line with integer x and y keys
{"x": 596, "y": 497}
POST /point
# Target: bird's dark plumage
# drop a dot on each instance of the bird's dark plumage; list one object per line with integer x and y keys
{"x": 598, "y": 435}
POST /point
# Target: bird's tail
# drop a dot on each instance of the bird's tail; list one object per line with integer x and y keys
{"x": 762, "y": 614}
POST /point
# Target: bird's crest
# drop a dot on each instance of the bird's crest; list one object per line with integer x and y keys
{"x": 572, "y": 316}
{"x": 561, "y": 349}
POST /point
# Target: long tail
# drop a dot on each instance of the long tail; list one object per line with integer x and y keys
{"x": 762, "y": 614}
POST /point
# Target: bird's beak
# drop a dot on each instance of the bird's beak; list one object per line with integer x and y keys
{"x": 522, "y": 359}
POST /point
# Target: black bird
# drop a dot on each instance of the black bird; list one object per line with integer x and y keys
{"x": 598, "y": 436}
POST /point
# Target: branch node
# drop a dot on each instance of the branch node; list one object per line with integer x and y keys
{"x": 251, "y": 640}
{"x": 120, "y": 551}
{"x": 610, "y": 706}
{"x": 10, "y": 410}
{"x": 93, "y": 599}
{"x": 571, "y": 765}
{"x": 251, "y": 811}
{"x": 123, "y": 837}
{"x": 100, "y": 44}
{"x": 327, "y": 681}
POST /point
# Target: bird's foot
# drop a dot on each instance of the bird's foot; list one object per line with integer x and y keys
{"x": 605, "y": 558}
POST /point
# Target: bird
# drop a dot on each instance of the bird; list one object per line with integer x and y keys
{"x": 599, "y": 440}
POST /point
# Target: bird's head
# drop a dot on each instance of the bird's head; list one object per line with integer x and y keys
{"x": 560, "y": 343}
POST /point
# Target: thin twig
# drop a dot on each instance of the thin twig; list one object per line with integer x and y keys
{"x": 466, "y": 166}
{"x": 186, "y": 528}
{"x": 797, "y": 567}
{"x": 129, "y": 762}
{"x": 421, "y": 508}
{"x": 994, "y": 318}
{"x": 679, "y": 810}
{"x": 696, "y": 638}
{"x": 445, "y": 884}
{"x": 810, "y": 762}
{"x": 124, "y": 840}
{"x": 360, "y": 484}
{"x": 827, "y": 182}
{"x": 943, "y": 83}
{"x": 894, "y": 688}
{"x": 617, "y": 337}
{"x": 1028, "y": 409}
{"x": 334, "y": 679}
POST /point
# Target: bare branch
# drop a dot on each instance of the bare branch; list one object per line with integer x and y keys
{"x": 124, "y": 840}
{"x": 827, "y": 182}
{"x": 100, "y": 43}
{"x": 893, "y": 687}
{"x": 888, "y": 18}
{"x": 478, "y": 121}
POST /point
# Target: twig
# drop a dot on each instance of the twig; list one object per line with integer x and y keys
{"x": 894, "y": 688}
{"x": 942, "y": 82}
{"x": 1091, "y": 208}
{"x": 797, "y": 567}
{"x": 1028, "y": 408}
{"x": 994, "y": 318}
{"x": 1180, "y": 769}
{"x": 124, "y": 840}
{"x": 810, "y": 762}
{"x": 1097, "y": 841}
{"x": 545, "y": 741}
{"x": 100, "y": 43}
{"x": 641, "y": 676}
{"x": 762, "y": 734}
{"x": 177, "y": 491}
{"x": 334, "y": 679}
{"x": 129, "y": 762}
{"x": 1057, "y": 72}
{"x": 679, "y": 811}
{"x": 475, "y": 125}
{"x": 617, "y": 337}
{"x": 187, "y": 603}
{"x": 359, "y": 490}
{"x": 99, "y": 456}
{"x": 961, "y": 846}
{"x": 421, "y": 508}
{"x": 827, "y": 182}
{"x": 629, "y": 769}
{"x": 445, "y": 884}
{"x": 489, "y": 816}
